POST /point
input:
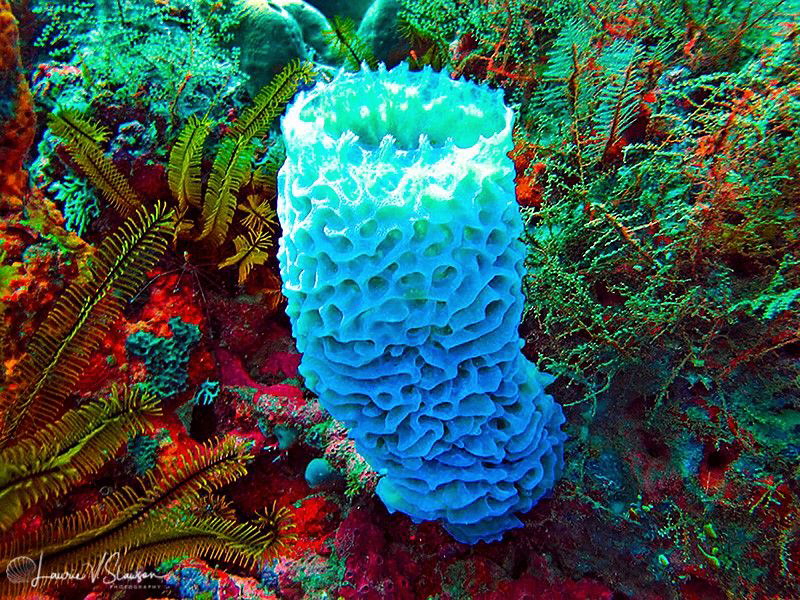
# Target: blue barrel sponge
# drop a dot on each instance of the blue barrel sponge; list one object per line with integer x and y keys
{"x": 402, "y": 266}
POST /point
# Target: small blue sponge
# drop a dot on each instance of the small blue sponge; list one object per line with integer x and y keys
{"x": 319, "y": 472}
{"x": 402, "y": 265}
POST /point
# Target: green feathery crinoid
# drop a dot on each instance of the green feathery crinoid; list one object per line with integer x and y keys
{"x": 71, "y": 331}
{"x": 157, "y": 519}
{"x": 233, "y": 162}
{"x": 271, "y": 100}
{"x": 83, "y": 138}
{"x": 230, "y": 170}
{"x": 354, "y": 50}
{"x": 426, "y": 49}
{"x": 251, "y": 250}
{"x": 260, "y": 216}
{"x": 53, "y": 459}
{"x": 185, "y": 161}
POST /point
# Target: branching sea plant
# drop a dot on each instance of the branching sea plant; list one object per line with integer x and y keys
{"x": 82, "y": 138}
{"x": 233, "y": 162}
{"x": 214, "y": 196}
{"x": 169, "y": 57}
{"x": 350, "y": 46}
{"x": 232, "y": 169}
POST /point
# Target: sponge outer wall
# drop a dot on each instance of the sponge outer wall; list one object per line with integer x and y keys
{"x": 402, "y": 265}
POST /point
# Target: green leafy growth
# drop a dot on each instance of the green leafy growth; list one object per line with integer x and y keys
{"x": 78, "y": 201}
{"x": 724, "y": 34}
{"x": 251, "y": 249}
{"x": 435, "y": 20}
{"x": 232, "y": 165}
{"x": 271, "y": 100}
{"x": 73, "y": 126}
{"x": 493, "y": 42}
{"x": 635, "y": 250}
{"x": 65, "y": 23}
{"x": 156, "y": 519}
{"x": 60, "y": 349}
{"x": 167, "y": 57}
{"x": 260, "y": 216}
{"x": 231, "y": 168}
{"x": 426, "y": 50}
{"x": 568, "y": 93}
{"x": 778, "y": 296}
{"x": 618, "y": 96}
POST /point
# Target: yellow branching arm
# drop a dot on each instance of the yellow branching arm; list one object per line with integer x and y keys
{"x": 53, "y": 459}
{"x": 185, "y": 162}
{"x": 62, "y": 346}
{"x": 251, "y": 250}
{"x": 83, "y": 138}
{"x": 271, "y": 100}
{"x": 157, "y": 522}
{"x": 231, "y": 168}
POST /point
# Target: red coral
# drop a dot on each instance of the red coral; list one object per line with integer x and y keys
{"x": 623, "y": 27}
{"x": 529, "y": 176}
{"x": 374, "y": 568}
{"x": 281, "y": 363}
{"x": 248, "y": 328}
{"x": 315, "y": 520}
{"x": 172, "y": 294}
{"x": 532, "y": 588}
{"x": 151, "y": 180}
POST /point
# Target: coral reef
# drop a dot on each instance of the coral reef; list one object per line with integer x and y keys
{"x": 379, "y": 28}
{"x": 271, "y": 38}
{"x": 655, "y": 163}
{"x": 78, "y": 202}
{"x": 177, "y": 56}
{"x": 320, "y": 473}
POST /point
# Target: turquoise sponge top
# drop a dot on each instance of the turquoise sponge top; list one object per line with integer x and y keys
{"x": 402, "y": 266}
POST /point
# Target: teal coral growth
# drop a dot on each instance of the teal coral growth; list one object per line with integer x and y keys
{"x": 207, "y": 393}
{"x": 319, "y": 472}
{"x": 78, "y": 201}
{"x": 171, "y": 56}
{"x": 143, "y": 451}
{"x": 402, "y": 265}
{"x": 166, "y": 358}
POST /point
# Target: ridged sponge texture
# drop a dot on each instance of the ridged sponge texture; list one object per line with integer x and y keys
{"x": 402, "y": 266}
